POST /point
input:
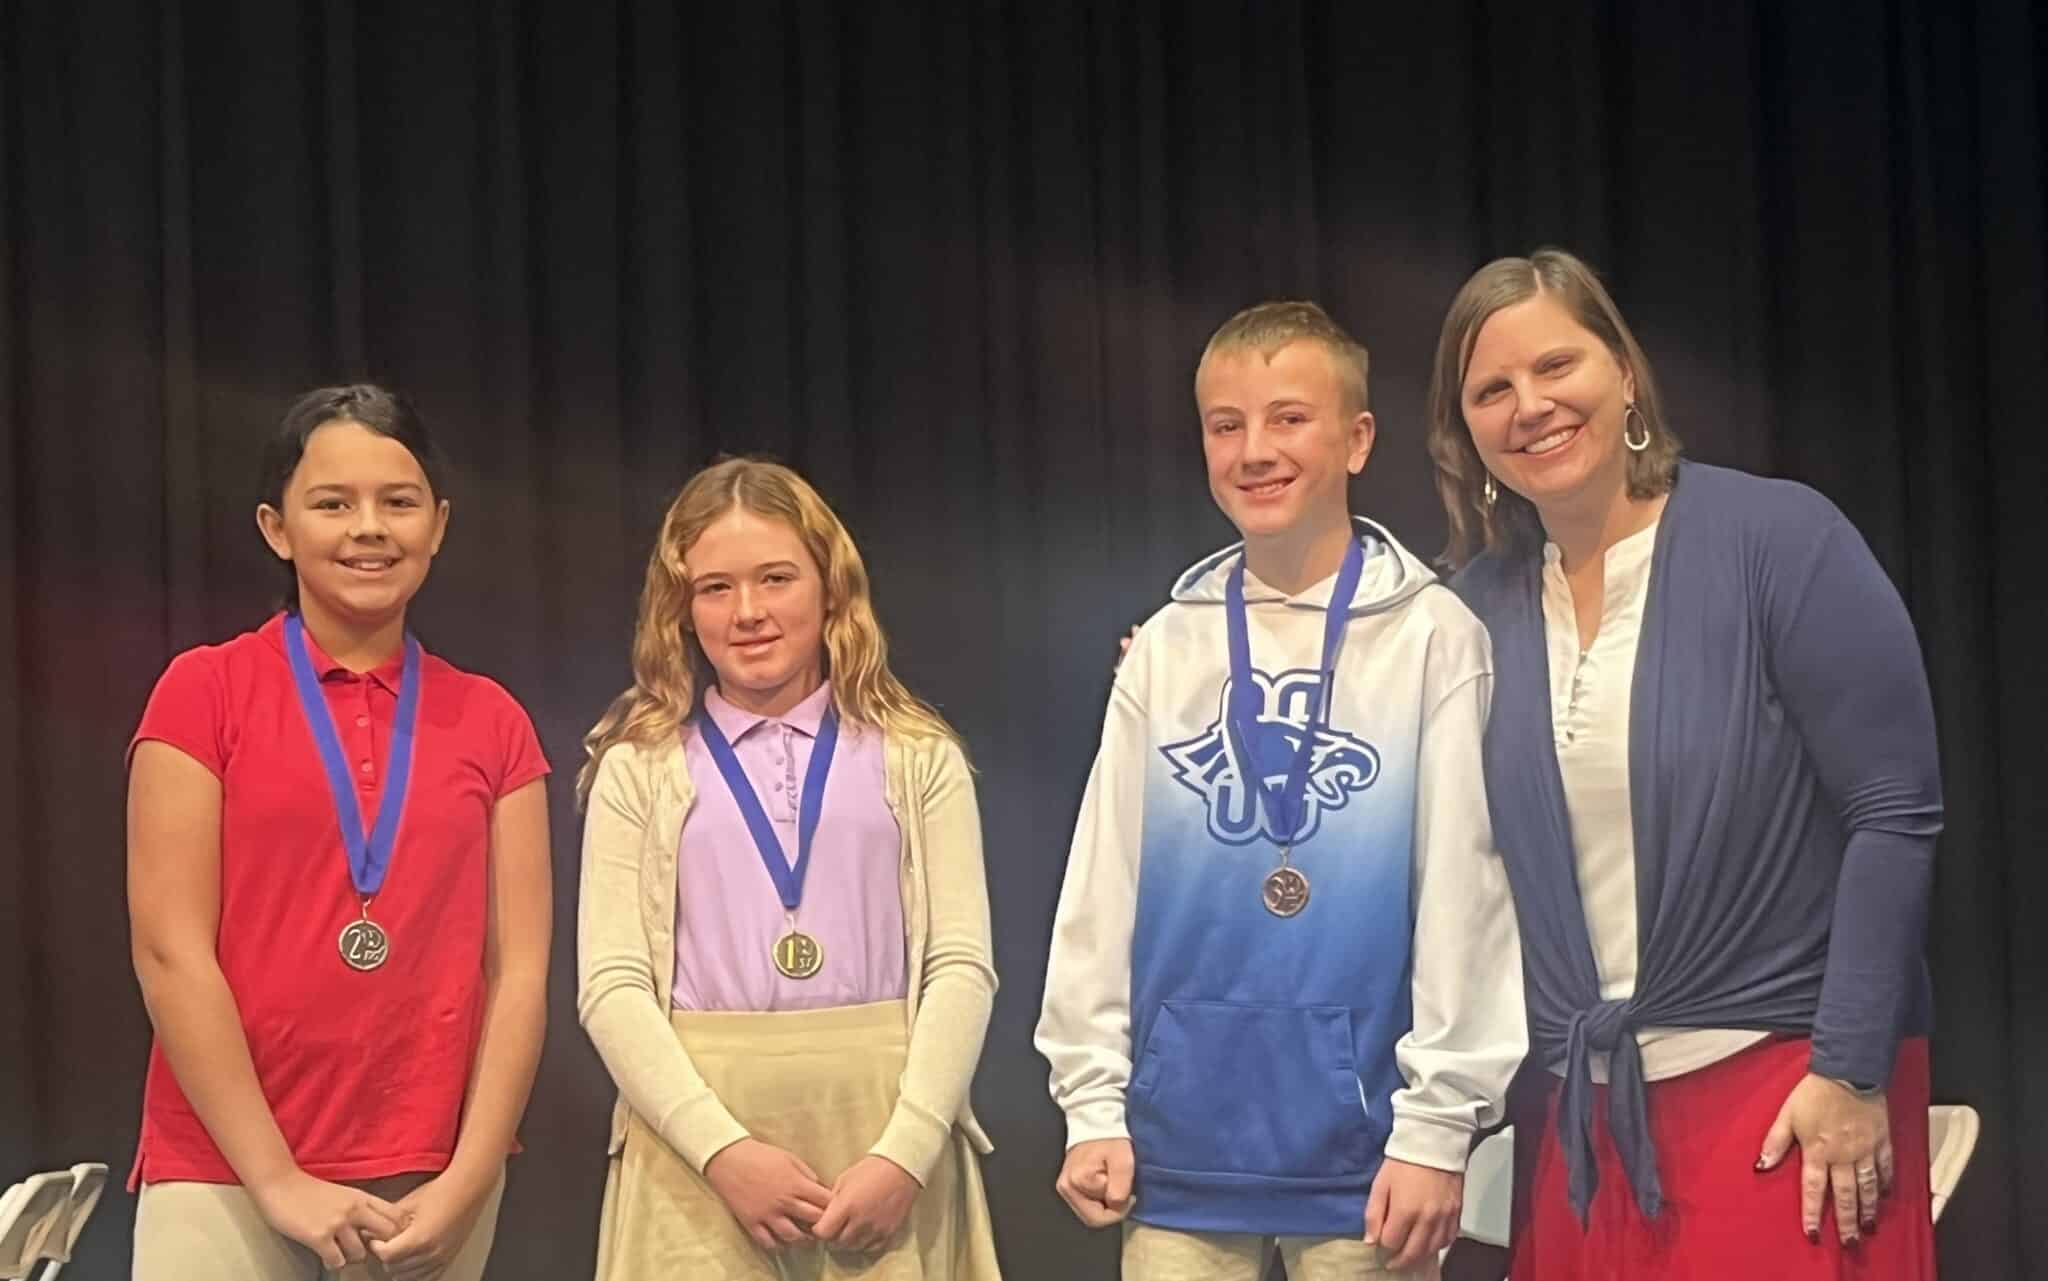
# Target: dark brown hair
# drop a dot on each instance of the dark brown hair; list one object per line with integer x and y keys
{"x": 385, "y": 412}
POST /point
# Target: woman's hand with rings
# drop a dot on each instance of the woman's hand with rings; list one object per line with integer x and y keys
{"x": 1845, "y": 1146}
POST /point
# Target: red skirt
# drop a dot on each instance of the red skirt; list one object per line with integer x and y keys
{"x": 1721, "y": 1218}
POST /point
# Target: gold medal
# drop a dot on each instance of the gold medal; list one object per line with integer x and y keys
{"x": 797, "y": 955}
{"x": 364, "y": 945}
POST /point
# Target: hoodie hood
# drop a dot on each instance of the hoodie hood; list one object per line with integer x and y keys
{"x": 1391, "y": 575}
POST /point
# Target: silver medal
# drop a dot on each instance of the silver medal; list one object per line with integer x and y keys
{"x": 364, "y": 945}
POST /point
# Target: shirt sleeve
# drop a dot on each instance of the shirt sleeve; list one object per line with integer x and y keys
{"x": 1084, "y": 1027}
{"x": 959, "y": 985}
{"x": 1847, "y": 667}
{"x": 615, "y": 985}
{"x": 521, "y": 754}
{"x": 1470, "y": 1029}
{"x": 188, "y": 710}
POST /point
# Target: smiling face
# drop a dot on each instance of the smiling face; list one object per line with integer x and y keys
{"x": 1545, "y": 401}
{"x": 757, "y": 606}
{"x": 360, "y": 524}
{"x": 1280, "y": 438}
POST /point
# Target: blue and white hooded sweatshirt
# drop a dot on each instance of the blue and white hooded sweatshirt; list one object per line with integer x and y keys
{"x": 1262, "y": 1067}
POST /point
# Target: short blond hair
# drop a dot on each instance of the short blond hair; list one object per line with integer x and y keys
{"x": 1269, "y": 326}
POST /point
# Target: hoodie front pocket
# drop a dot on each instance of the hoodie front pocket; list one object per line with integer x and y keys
{"x": 1251, "y": 1089}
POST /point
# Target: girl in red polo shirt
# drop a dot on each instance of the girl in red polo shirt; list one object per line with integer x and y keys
{"x": 339, "y": 890}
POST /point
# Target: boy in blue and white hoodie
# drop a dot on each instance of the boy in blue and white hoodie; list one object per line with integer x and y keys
{"x": 1277, "y": 1014}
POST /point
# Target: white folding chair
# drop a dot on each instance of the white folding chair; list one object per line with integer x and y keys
{"x": 88, "y": 1180}
{"x": 1951, "y": 1138}
{"x": 41, "y": 1217}
{"x": 12, "y": 1202}
{"x": 30, "y": 1213}
{"x": 1490, "y": 1190}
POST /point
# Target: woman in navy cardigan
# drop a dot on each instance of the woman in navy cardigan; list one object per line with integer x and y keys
{"x": 1711, "y": 768}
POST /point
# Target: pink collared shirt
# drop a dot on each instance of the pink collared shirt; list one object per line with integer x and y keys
{"x": 728, "y": 914}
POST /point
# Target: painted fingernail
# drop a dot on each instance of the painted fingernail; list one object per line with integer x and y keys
{"x": 1759, "y": 1167}
{"x": 1813, "y": 1236}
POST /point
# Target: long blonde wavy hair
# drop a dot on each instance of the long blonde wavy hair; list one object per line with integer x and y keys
{"x": 670, "y": 670}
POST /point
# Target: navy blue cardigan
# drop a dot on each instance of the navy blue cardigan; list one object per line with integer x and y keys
{"x": 1785, "y": 793}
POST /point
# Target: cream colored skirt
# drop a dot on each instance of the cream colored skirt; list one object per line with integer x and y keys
{"x": 820, "y": 1084}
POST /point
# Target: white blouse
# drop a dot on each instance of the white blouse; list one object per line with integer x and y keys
{"x": 1589, "y": 711}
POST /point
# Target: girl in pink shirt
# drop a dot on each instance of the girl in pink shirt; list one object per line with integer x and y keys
{"x": 783, "y": 942}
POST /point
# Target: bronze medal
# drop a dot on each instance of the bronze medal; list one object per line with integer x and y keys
{"x": 1284, "y": 891}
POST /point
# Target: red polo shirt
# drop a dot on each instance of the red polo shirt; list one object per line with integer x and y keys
{"x": 365, "y": 1072}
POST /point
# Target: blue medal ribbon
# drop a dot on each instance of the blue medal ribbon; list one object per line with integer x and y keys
{"x": 369, "y": 857}
{"x": 789, "y": 881}
{"x": 1282, "y": 805}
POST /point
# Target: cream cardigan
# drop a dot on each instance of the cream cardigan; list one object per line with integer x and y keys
{"x": 626, "y": 947}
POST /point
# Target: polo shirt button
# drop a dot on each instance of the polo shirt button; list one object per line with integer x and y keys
{"x": 367, "y": 767}
{"x": 362, "y": 720}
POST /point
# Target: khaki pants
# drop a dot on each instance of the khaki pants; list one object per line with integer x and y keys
{"x": 1162, "y": 1254}
{"x": 213, "y": 1232}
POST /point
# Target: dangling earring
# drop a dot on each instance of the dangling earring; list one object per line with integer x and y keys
{"x": 1491, "y": 492}
{"x": 1635, "y": 445}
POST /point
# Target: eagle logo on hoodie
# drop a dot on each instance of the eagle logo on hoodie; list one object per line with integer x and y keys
{"x": 1339, "y": 766}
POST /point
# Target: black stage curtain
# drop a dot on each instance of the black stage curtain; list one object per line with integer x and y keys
{"x": 955, "y": 261}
